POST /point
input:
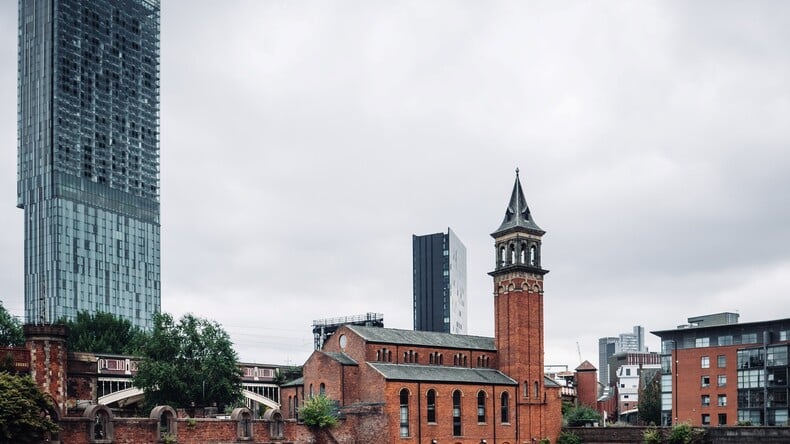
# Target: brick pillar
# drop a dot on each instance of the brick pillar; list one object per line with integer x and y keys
{"x": 49, "y": 360}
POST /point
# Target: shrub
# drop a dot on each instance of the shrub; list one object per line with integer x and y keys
{"x": 569, "y": 438}
{"x": 319, "y": 412}
{"x": 685, "y": 434}
{"x": 651, "y": 435}
{"x": 582, "y": 415}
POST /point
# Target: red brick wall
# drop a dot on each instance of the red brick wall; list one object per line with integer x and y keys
{"x": 587, "y": 388}
{"x": 204, "y": 431}
{"x": 689, "y": 388}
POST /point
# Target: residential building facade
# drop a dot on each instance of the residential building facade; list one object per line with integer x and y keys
{"x": 88, "y": 158}
{"x": 439, "y": 281}
{"x": 726, "y": 373}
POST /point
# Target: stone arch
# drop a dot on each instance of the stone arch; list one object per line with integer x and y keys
{"x": 243, "y": 418}
{"x": 100, "y": 428}
{"x": 276, "y": 423}
{"x": 166, "y": 421}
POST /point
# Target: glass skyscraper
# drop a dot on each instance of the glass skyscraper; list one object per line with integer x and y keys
{"x": 88, "y": 157}
{"x": 439, "y": 273}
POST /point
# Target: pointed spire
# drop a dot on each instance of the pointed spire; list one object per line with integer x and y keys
{"x": 517, "y": 214}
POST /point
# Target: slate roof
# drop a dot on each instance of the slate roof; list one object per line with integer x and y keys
{"x": 341, "y": 358}
{"x": 438, "y": 373}
{"x": 548, "y": 382}
{"x": 517, "y": 214}
{"x": 294, "y": 383}
{"x": 423, "y": 338}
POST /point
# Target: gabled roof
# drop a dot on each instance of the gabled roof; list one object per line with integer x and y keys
{"x": 423, "y": 338}
{"x": 585, "y": 366}
{"x": 342, "y": 358}
{"x": 517, "y": 214}
{"x": 439, "y": 373}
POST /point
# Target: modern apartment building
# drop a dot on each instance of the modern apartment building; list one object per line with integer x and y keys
{"x": 439, "y": 280}
{"x": 88, "y": 158}
{"x": 720, "y": 372}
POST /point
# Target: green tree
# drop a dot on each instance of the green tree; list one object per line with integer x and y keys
{"x": 23, "y": 411}
{"x": 103, "y": 333}
{"x": 650, "y": 401}
{"x": 11, "y": 333}
{"x": 581, "y": 415}
{"x": 319, "y": 411}
{"x": 191, "y": 361}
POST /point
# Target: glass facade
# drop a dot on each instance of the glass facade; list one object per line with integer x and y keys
{"x": 439, "y": 283}
{"x": 88, "y": 157}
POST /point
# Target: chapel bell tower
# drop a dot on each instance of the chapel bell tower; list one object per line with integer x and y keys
{"x": 518, "y": 305}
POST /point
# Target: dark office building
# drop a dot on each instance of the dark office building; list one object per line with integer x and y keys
{"x": 439, "y": 268}
{"x": 88, "y": 157}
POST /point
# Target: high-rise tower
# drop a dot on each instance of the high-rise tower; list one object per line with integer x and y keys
{"x": 518, "y": 308}
{"x": 439, "y": 273}
{"x": 88, "y": 157}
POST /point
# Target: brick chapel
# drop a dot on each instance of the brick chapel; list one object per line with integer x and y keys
{"x": 404, "y": 386}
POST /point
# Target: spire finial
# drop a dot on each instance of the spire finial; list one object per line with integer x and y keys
{"x": 516, "y": 171}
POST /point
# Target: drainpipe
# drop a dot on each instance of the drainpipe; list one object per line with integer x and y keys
{"x": 419, "y": 413}
{"x": 493, "y": 410}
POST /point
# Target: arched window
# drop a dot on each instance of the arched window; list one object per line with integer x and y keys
{"x": 481, "y": 406}
{"x": 166, "y": 417}
{"x": 101, "y": 425}
{"x": 243, "y": 418}
{"x": 311, "y": 391}
{"x": 465, "y": 361}
{"x": 457, "y": 413}
{"x": 405, "y": 356}
{"x": 526, "y": 389}
{"x": 322, "y": 389}
{"x": 431, "y": 406}
{"x": 404, "y": 413}
{"x": 533, "y": 255}
{"x": 416, "y": 358}
{"x": 378, "y": 355}
{"x": 276, "y": 423}
{"x": 455, "y": 359}
{"x": 479, "y": 361}
{"x": 535, "y": 392}
{"x": 430, "y": 358}
{"x": 505, "y": 412}
{"x": 389, "y": 356}
{"x": 502, "y": 256}
{"x": 512, "y": 254}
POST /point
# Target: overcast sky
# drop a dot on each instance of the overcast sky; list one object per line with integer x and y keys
{"x": 302, "y": 144}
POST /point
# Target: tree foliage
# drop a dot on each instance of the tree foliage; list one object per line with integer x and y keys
{"x": 319, "y": 411}
{"x": 23, "y": 411}
{"x": 581, "y": 415}
{"x": 192, "y": 361}
{"x": 650, "y": 401}
{"x": 11, "y": 333}
{"x": 103, "y": 333}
